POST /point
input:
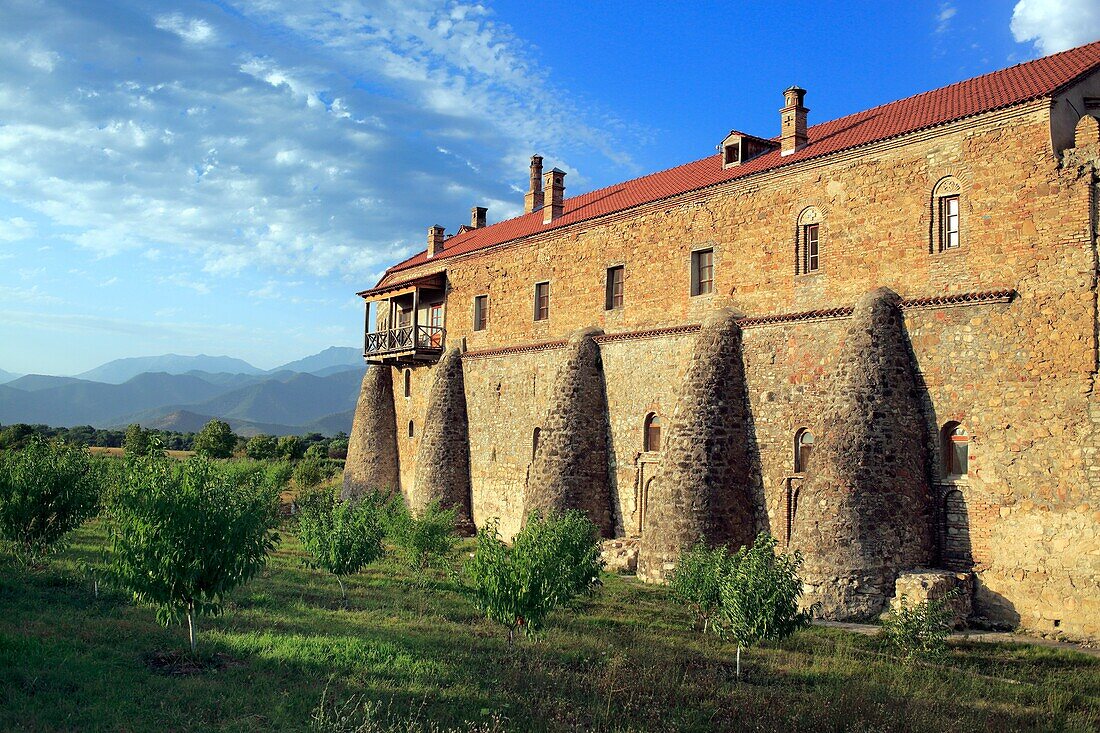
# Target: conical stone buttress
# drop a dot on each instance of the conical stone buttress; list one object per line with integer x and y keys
{"x": 865, "y": 511}
{"x": 443, "y": 457}
{"x": 371, "y": 464}
{"x": 570, "y": 468}
{"x": 703, "y": 487}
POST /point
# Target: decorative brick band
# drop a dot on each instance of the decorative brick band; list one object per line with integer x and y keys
{"x": 651, "y": 333}
{"x": 826, "y": 314}
{"x": 513, "y": 350}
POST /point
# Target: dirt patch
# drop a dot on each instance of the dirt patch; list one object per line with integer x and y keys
{"x": 182, "y": 664}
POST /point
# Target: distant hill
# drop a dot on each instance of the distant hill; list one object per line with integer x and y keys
{"x": 185, "y": 421}
{"x": 39, "y": 382}
{"x": 329, "y": 361}
{"x": 7, "y": 376}
{"x": 122, "y": 370}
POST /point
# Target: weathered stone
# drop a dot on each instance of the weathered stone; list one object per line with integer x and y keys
{"x": 621, "y": 555}
{"x": 569, "y": 470}
{"x": 865, "y": 512}
{"x": 919, "y": 586}
{"x": 703, "y": 489}
{"x": 443, "y": 458}
{"x": 371, "y": 463}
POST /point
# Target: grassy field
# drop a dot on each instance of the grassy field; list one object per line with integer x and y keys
{"x": 416, "y": 656}
{"x": 96, "y": 450}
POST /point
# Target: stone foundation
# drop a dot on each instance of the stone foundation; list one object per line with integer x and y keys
{"x": 621, "y": 555}
{"x": 919, "y": 586}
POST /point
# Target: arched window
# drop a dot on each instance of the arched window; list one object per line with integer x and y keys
{"x": 803, "y": 447}
{"x": 652, "y": 438}
{"x": 408, "y": 382}
{"x": 955, "y": 447}
{"x": 535, "y": 442}
{"x": 412, "y": 429}
{"x": 807, "y": 246}
{"x": 946, "y": 215}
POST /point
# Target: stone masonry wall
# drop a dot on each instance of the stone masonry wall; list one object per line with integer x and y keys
{"x": 442, "y": 471}
{"x": 570, "y": 467}
{"x": 704, "y": 489}
{"x": 864, "y": 513}
{"x": 1019, "y": 376}
{"x": 372, "y": 447}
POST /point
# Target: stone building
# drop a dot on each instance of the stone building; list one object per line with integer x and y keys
{"x": 874, "y": 337}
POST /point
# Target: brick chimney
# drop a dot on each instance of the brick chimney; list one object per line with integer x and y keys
{"x": 793, "y": 116}
{"x": 477, "y": 217}
{"x": 553, "y": 193}
{"x": 435, "y": 240}
{"x": 533, "y": 200}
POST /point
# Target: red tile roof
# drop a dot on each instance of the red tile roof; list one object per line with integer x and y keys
{"x": 1015, "y": 85}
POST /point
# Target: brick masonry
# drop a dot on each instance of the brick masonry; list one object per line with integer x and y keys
{"x": 1019, "y": 374}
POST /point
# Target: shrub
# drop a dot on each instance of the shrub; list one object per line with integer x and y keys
{"x": 920, "y": 630}
{"x": 338, "y": 449}
{"x": 311, "y": 472}
{"x": 261, "y": 448}
{"x": 277, "y": 474}
{"x": 696, "y": 581}
{"x": 341, "y": 537}
{"x": 291, "y": 447}
{"x": 421, "y": 542}
{"x": 215, "y": 440}
{"x": 552, "y": 561}
{"x": 47, "y": 489}
{"x": 317, "y": 451}
{"x": 759, "y": 595}
{"x": 185, "y": 534}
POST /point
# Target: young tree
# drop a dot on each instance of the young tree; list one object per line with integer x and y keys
{"x": 318, "y": 451}
{"x": 261, "y": 448}
{"x": 291, "y": 448}
{"x": 697, "y": 579}
{"x": 46, "y": 490}
{"x": 341, "y": 537}
{"x": 422, "y": 542}
{"x": 185, "y": 534}
{"x": 215, "y": 440}
{"x": 338, "y": 448}
{"x": 920, "y": 630}
{"x": 136, "y": 441}
{"x": 552, "y": 561}
{"x": 311, "y": 472}
{"x": 759, "y": 595}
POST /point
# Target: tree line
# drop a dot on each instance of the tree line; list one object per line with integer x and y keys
{"x": 215, "y": 440}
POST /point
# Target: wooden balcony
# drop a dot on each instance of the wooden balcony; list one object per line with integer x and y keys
{"x": 404, "y": 345}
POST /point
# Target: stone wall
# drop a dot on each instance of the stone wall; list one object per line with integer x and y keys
{"x": 570, "y": 467}
{"x": 1020, "y": 376}
{"x": 706, "y": 485}
{"x": 371, "y": 463}
{"x": 864, "y": 513}
{"x": 442, "y": 470}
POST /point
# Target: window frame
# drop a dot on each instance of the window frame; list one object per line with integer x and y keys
{"x": 802, "y": 462}
{"x": 697, "y": 280}
{"x": 408, "y": 383}
{"x": 648, "y": 430}
{"x": 811, "y": 248}
{"x": 615, "y": 278}
{"x": 946, "y": 230}
{"x": 542, "y": 313}
{"x": 481, "y": 313}
{"x": 953, "y": 433}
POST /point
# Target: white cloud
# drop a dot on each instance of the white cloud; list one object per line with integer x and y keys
{"x": 192, "y": 30}
{"x": 1055, "y": 25}
{"x": 943, "y": 17}
{"x": 16, "y": 229}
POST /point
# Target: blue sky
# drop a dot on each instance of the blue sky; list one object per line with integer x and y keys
{"x": 221, "y": 177}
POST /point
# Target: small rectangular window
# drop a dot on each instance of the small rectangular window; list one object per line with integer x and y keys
{"x": 702, "y": 272}
{"x": 810, "y": 237}
{"x": 542, "y": 301}
{"x": 481, "y": 312}
{"x": 615, "y": 276}
{"x": 949, "y": 222}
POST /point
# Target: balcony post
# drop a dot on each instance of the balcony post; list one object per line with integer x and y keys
{"x": 416, "y": 315}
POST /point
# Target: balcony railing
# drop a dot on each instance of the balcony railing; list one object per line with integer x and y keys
{"x": 425, "y": 338}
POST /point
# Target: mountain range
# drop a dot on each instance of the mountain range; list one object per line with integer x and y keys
{"x": 171, "y": 392}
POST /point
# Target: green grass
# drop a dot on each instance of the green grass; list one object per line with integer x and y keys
{"x": 624, "y": 662}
